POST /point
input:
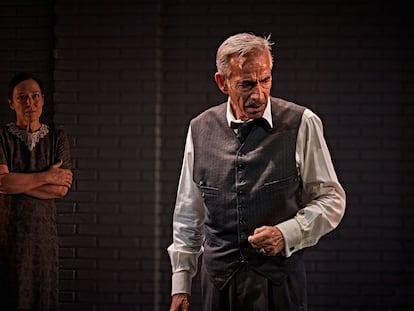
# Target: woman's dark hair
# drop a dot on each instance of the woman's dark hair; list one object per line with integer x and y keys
{"x": 20, "y": 77}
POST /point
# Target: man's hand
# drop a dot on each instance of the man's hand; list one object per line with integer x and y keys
{"x": 180, "y": 302}
{"x": 267, "y": 240}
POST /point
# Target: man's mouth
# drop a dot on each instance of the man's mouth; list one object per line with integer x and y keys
{"x": 255, "y": 106}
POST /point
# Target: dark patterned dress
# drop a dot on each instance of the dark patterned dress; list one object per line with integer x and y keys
{"x": 28, "y": 233}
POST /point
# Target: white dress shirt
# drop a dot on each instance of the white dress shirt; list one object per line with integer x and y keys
{"x": 320, "y": 216}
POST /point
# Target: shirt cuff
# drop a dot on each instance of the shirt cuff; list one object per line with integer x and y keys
{"x": 292, "y": 234}
{"x": 181, "y": 283}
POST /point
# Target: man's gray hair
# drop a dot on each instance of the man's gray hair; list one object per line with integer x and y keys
{"x": 240, "y": 46}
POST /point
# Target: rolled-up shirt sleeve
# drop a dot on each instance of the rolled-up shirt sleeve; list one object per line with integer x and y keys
{"x": 326, "y": 196}
{"x": 188, "y": 226}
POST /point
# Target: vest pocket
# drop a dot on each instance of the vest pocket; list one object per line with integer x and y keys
{"x": 280, "y": 183}
{"x": 207, "y": 191}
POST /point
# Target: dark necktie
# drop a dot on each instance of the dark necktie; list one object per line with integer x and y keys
{"x": 244, "y": 128}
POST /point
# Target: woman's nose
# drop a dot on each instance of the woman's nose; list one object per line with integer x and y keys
{"x": 29, "y": 101}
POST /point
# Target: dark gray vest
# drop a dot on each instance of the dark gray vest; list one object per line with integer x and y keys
{"x": 246, "y": 186}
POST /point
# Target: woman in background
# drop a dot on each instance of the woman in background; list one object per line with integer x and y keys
{"x": 35, "y": 169}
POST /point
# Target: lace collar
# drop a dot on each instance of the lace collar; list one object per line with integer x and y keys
{"x": 30, "y": 139}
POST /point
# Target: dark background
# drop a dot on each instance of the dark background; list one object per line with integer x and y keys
{"x": 125, "y": 77}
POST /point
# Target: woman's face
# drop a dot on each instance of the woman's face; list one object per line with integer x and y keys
{"x": 27, "y": 102}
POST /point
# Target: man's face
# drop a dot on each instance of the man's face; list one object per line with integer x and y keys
{"x": 249, "y": 86}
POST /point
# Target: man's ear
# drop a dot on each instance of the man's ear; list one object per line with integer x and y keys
{"x": 221, "y": 82}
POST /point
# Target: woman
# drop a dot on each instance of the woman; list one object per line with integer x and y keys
{"x": 35, "y": 169}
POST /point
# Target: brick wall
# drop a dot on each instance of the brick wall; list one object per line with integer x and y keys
{"x": 105, "y": 83}
{"x": 127, "y": 76}
{"x": 26, "y": 36}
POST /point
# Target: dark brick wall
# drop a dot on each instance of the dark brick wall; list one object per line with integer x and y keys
{"x": 126, "y": 78}
{"x": 26, "y": 36}
{"x": 105, "y": 84}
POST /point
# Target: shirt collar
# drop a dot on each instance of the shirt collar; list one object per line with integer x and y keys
{"x": 267, "y": 114}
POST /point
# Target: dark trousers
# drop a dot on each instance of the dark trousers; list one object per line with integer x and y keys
{"x": 250, "y": 291}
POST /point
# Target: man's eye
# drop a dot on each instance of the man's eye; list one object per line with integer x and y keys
{"x": 247, "y": 84}
{"x": 35, "y": 96}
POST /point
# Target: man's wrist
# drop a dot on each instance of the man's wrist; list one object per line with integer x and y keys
{"x": 181, "y": 283}
{"x": 292, "y": 236}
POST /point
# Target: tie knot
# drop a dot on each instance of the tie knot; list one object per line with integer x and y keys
{"x": 244, "y": 128}
{"x": 238, "y": 124}
{"x": 262, "y": 122}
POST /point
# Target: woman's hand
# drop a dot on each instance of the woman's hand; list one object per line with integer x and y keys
{"x": 59, "y": 176}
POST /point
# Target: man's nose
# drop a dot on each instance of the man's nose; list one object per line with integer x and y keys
{"x": 258, "y": 92}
